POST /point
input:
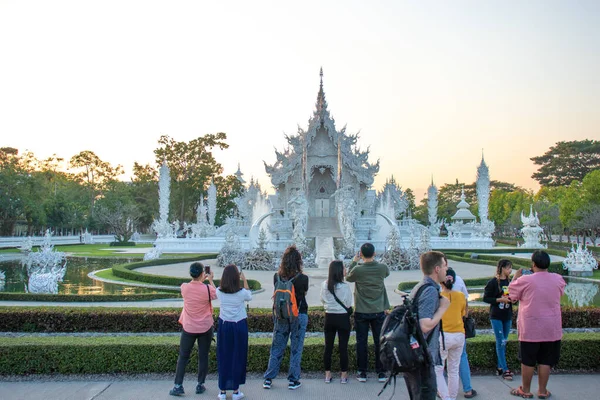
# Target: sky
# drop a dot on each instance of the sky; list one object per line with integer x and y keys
{"x": 428, "y": 84}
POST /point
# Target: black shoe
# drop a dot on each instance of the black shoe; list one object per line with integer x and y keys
{"x": 499, "y": 371}
{"x": 267, "y": 383}
{"x": 200, "y": 388}
{"x": 381, "y": 377}
{"x": 471, "y": 395}
{"x": 177, "y": 391}
{"x": 293, "y": 385}
{"x": 361, "y": 377}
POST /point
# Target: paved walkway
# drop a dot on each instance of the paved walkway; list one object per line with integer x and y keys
{"x": 488, "y": 387}
{"x": 263, "y": 299}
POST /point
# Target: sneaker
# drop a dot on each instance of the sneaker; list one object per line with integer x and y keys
{"x": 177, "y": 391}
{"x": 470, "y": 395}
{"x": 222, "y": 396}
{"x": 267, "y": 383}
{"x": 293, "y": 385}
{"x": 200, "y": 388}
{"x": 237, "y": 396}
{"x": 344, "y": 381}
{"x": 361, "y": 377}
{"x": 381, "y": 377}
{"x": 499, "y": 371}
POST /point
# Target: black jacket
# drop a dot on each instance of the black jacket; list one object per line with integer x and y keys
{"x": 492, "y": 291}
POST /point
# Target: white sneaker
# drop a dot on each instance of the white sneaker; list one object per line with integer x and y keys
{"x": 222, "y": 396}
{"x": 237, "y": 396}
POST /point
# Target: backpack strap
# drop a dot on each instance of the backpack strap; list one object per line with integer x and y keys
{"x": 348, "y": 309}
{"x": 415, "y": 310}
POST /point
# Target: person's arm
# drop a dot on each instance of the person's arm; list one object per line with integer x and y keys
{"x": 464, "y": 308}
{"x": 348, "y": 301}
{"x": 323, "y": 289}
{"x": 515, "y": 288}
{"x": 210, "y": 279}
{"x": 351, "y": 275}
{"x": 244, "y": 280}
{"x": 491, "y": 292}
{"x": 427, "y": 324}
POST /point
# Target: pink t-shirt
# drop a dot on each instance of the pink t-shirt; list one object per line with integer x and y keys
{"x": 539, "y": 318}
{"x": 196, "y": 316}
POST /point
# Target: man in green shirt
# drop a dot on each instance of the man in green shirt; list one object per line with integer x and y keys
{"x": 371, "y": 302}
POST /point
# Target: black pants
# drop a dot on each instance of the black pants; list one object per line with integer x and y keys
{"x": 362, "y": 323}
{"x": 421, "y": 384}
{"x": 186, "y": 344}
{"x": 340, "y": 324}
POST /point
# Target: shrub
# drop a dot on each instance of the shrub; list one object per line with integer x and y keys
{"x": 119, "y": 244}
{"x": 126, "y": 271}
{"x": 100, "y": 319}
{"x": 101, "y": 355}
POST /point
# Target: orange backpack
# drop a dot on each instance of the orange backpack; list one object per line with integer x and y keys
{"x": 284, "y": 300}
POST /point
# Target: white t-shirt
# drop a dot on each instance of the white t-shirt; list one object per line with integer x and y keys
{"x": 232, "y": 307}
{"x": 459, "y": 285}
{"x": 342, "y": 291}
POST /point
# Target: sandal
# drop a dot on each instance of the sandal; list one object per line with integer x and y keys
{"x": 507, "y": 375}
{"x": 520, "y": 393}
{"x": 544, "y": 396}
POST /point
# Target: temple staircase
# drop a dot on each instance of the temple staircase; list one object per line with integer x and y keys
{"x": 323, "y": 230}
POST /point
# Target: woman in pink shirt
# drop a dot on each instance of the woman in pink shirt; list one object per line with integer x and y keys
{"x": 539, "y": 322}
{"x": 197, "y": 322}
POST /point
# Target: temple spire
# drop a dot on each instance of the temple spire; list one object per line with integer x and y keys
{"x": 321, "y": 102}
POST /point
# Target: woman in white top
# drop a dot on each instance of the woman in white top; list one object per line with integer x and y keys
{"x": 337, "y": 317}
{"x": 232, "y": 335}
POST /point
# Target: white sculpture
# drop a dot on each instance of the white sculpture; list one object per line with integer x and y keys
{"x": 153, "y": 254}
{"x": 432, "y": 208}
{"x": 531, "y": 231}
{"x": 299, "y": 215}
{"x": 581, "y": 294}
{"x": 212, "y": 203}
{"x": 2, "y": 281}
{"x": 486, "y": 227}
{"x": 161, "y": 226}
{"x": 26, "y": 245}
{"x": 346, "y": 211}
{"x": 580, "y": 261}
{"x": 45, "y": 268}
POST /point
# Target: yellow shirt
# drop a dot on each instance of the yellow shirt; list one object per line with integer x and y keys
{"x": 452, "y": 320}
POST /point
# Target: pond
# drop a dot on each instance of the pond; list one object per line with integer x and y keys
{"x": 578, "y": 293}
{"x": 76, "y": 280}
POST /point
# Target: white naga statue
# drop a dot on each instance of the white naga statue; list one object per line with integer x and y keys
{"x": 346, "y": 206}
{"x": 581, "y": 294}
{"x": 298, "y": 207}
{"x": 45, "y": 268}
{"x": 161, "y": 226}
{"x": 580, "y": 261}
{"x": 531, "y": 231}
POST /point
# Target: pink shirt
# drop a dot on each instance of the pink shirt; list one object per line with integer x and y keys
{"x": 196, "y": 316}
{"x": 539, "y": 318}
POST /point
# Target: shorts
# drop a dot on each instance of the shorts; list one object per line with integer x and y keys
{"x": 545, "y": 353}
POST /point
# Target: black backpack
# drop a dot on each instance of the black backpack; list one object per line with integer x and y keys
{"x": 402, "y": 345}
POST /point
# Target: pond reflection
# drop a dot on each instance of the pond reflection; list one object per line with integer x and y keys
{"x": 76, "y": 280}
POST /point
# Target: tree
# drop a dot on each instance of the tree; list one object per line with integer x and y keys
{"x": 505, "y": 208}
{"x": 192, "y": 165}
{"x": 117, "y": 211}
{"x": 11, "y": 182}
{"x": 228, "y": 188}
{"x": 94, "y": 173}
{"x": 144, "y": 190}
{"x": 589, "y": 222}
{"x": 566, "y": 162}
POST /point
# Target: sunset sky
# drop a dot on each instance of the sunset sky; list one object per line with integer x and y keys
{"x": 428, "y": 84}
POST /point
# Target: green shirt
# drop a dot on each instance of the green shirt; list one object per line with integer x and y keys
{"x": 370, "y": 296}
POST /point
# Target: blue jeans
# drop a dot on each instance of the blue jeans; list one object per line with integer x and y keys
{"x": 501, "y": 331}
{"x": 281, "y": 332}
{"x": 362, "y": 323}
{"x": 464, "y": 371}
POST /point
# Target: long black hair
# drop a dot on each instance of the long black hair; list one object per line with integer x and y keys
{"x": 336, "y": 275}
{"x": 230, "y": 281}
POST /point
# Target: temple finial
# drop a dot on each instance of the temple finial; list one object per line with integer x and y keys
{"x": 321, "y": 74}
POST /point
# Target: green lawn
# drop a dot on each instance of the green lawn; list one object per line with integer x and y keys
{"x": 108, "y": 274}
{"x": 4, "y": 251}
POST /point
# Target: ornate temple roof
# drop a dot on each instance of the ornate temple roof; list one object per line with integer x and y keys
{"x": 354, "y": 161}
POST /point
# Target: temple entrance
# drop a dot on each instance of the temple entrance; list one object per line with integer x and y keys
{"x": 322, "y": 208}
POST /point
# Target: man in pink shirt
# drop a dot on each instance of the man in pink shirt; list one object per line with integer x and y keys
{"x": 539, "y": 322}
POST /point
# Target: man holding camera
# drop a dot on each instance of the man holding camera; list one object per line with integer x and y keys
{"x": 371, "y": 301}
{"x": 539, "y": 322}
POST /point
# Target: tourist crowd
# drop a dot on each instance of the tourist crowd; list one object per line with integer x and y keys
{"x": 440, "y": 302}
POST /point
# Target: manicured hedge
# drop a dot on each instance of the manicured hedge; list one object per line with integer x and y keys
{"x": 488, "y": 259}
{"x": 101, "y": 355}
{"x": 99, "y": 319}
{"x": 127, "y": 271}
{"x": 86, "y": 297}
{"x": 408, "y": 285}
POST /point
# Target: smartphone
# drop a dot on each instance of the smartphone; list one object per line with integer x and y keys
{"x": 207, "y": 270}
{"x": 527, "y": 272}
{"x": 239, "y": 269}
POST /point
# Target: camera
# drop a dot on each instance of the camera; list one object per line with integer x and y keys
{"x": 527, "y": 272}
{"x": 207, "y": 270}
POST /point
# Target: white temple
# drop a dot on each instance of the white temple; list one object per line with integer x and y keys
{"x": 324, "y": 201}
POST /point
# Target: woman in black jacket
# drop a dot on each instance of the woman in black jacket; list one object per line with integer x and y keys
{"x": 497, "y": 296}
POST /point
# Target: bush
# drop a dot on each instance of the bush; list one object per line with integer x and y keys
{"x": 119, "y": 244}
{"x": 100, "y": 319}
{"x": 102, "y": 355}
{"x": 126, "y": 271}
{"x": 86, "y": 297}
